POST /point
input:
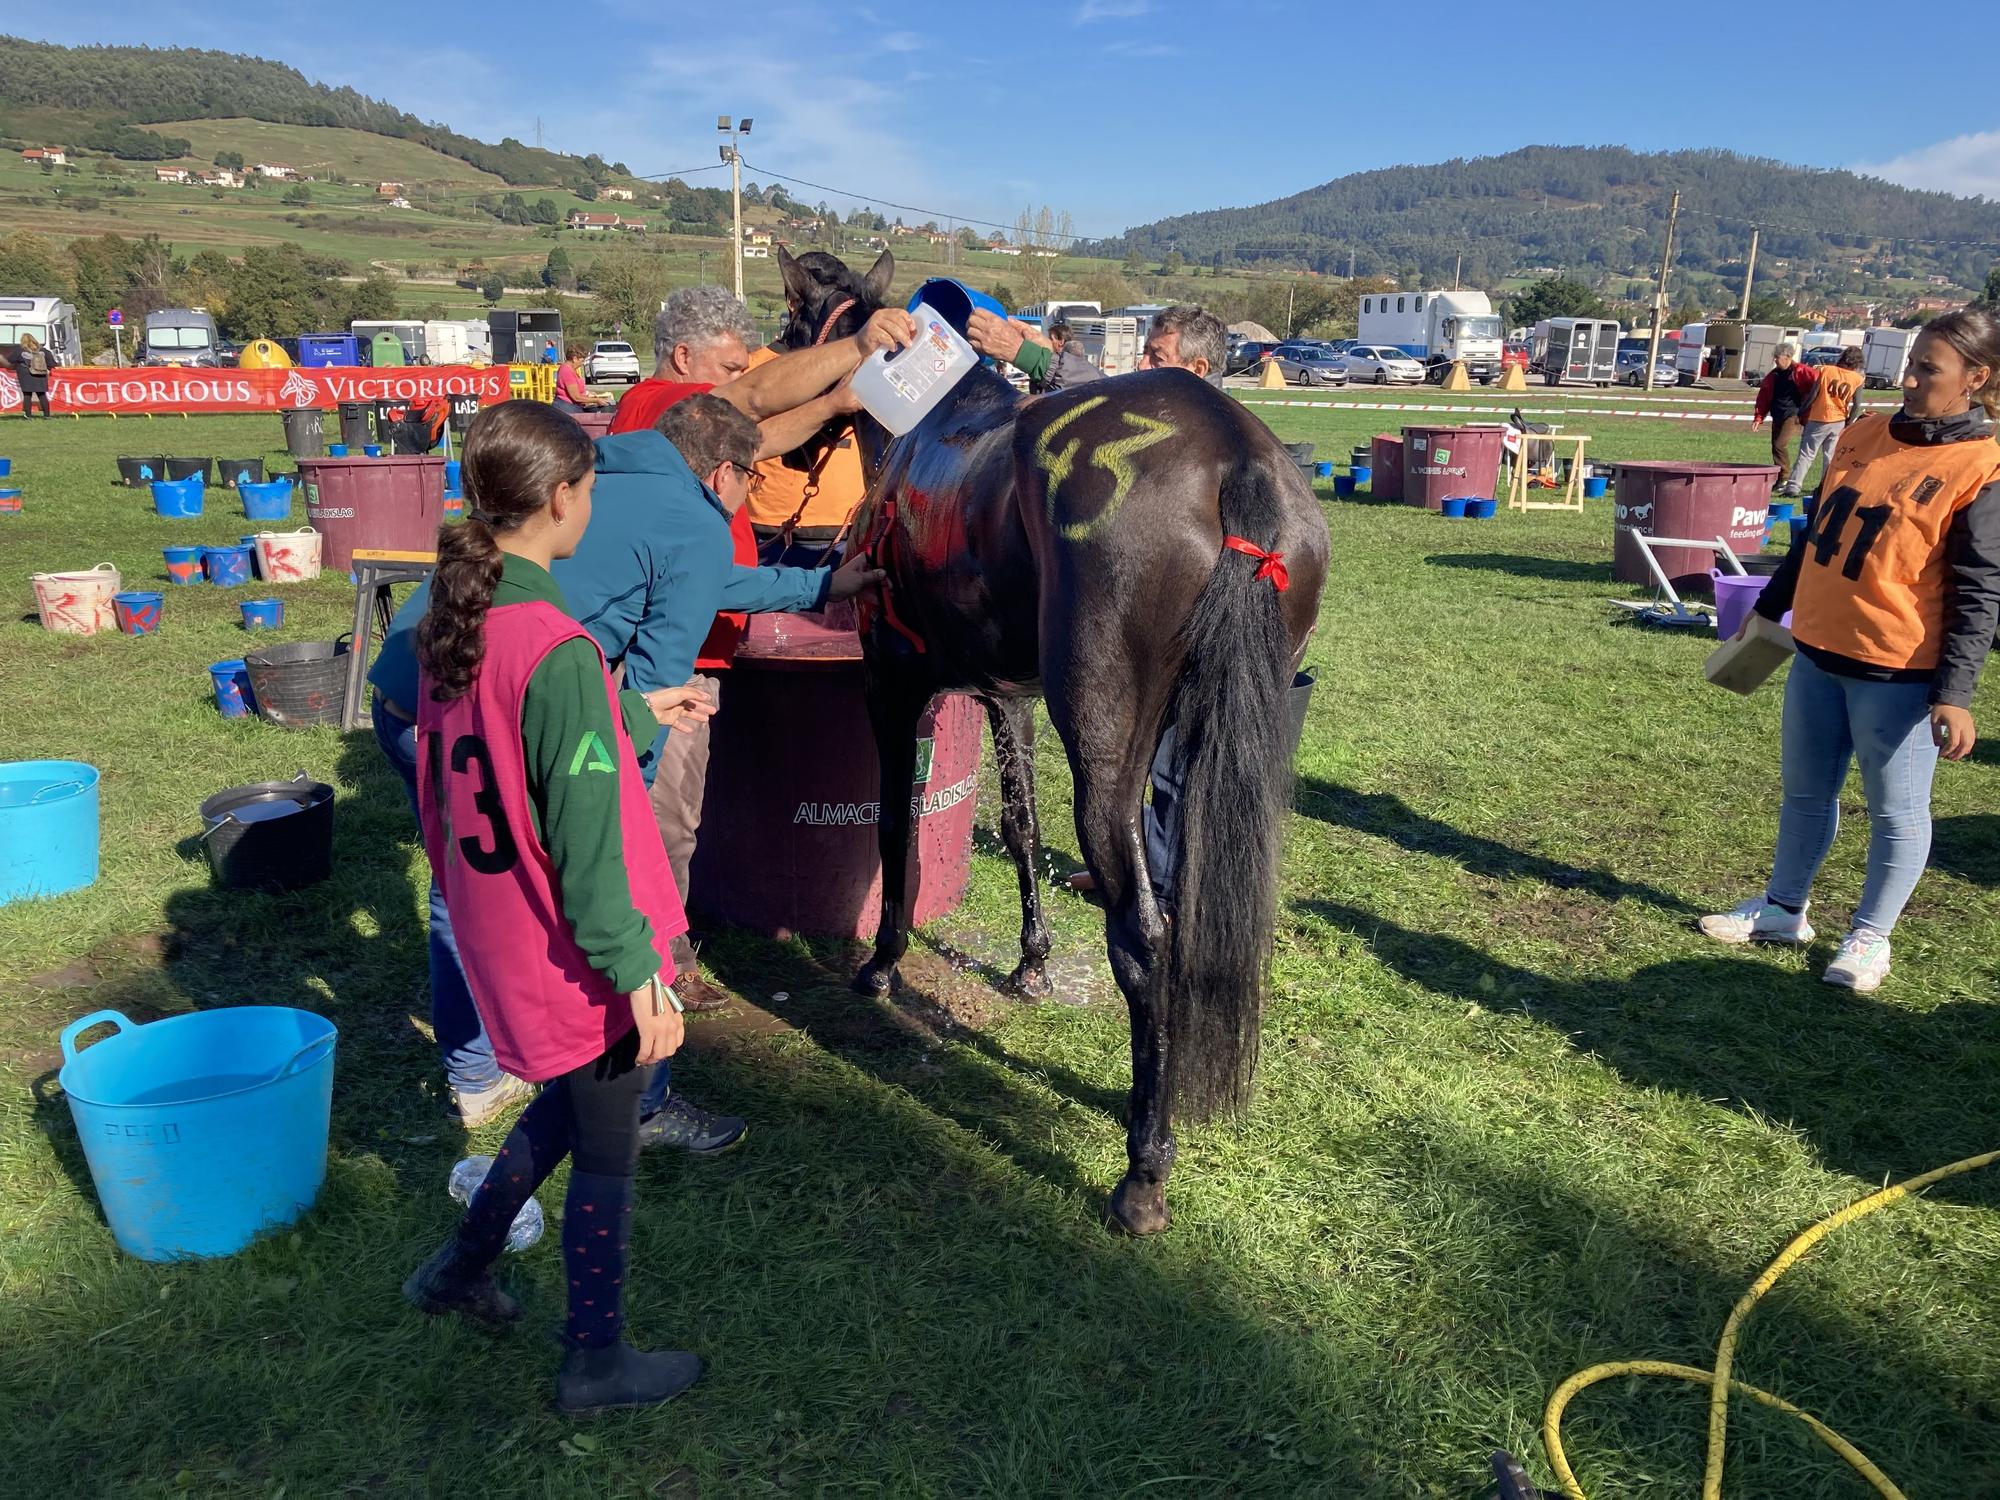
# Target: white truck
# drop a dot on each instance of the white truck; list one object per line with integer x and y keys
{"x": 1439, "y": 329}
{"x": 1885, "y": 352}
{"x": 50, "y": 319}
{"x": 1730, "y": 349}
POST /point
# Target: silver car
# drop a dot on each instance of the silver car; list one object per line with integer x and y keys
{"x": 1382, "y": 363}
{"x": 1309, "y": 364}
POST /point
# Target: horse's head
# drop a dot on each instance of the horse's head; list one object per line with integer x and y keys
{"x": 826, "y": 298}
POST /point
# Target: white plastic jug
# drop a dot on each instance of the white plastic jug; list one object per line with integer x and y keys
{"x": 899, "y": 392}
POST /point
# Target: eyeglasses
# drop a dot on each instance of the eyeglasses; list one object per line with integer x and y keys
{"x": 751, "y": 478}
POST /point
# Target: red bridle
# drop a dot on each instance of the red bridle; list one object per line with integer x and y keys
{"x": 831, "y": 318}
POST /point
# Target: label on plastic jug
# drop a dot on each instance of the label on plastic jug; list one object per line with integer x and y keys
{"x": 923, "y": 366}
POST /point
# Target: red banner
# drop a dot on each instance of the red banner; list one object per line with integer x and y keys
{"x": 167, "y": 389}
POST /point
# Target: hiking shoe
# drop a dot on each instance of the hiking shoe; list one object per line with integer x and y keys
{"x": 1862, "y": 962}
{"x": 1758, "y": 920}
{"x": 476, "y": 1109}
{"x": 696, "y": 994}
{"x": 687, "y": 1127}
{"x": 619, "y": 1375}
{"x": 443, "y": 1284}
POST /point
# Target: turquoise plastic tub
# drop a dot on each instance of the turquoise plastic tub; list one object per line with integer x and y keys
{"x": 48, "y": 828}
{"x": 177, "y": 497}
{"x": 269, "y": 501}
{"x": 204, "y": 1130}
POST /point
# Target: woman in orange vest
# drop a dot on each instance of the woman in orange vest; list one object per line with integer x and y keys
{"x": 1835, "y": 406}
{"x": 1894, "y": 594}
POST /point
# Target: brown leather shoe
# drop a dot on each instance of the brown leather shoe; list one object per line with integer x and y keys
{"x": 697, "y": 994}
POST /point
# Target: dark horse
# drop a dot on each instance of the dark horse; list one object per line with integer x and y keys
{"x": 1072, "y": 547}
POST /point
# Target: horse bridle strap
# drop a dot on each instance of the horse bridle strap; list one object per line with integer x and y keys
{"x": 1270, "y": 565}
{"x": 831, "y": 319}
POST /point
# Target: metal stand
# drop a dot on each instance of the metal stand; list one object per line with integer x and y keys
{"x": 1665, "y": 607}
{"x": 376, "y": 573}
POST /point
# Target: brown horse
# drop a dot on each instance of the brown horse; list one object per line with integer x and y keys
{"x": 1109, "y": 549}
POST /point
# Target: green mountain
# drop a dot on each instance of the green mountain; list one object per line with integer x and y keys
{"x": 1599, "y": 212}
{"x": 102, "y": 98}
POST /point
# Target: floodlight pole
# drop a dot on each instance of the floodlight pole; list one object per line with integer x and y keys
{"x": 732, "y": 153}
{"x": 1660, "y": 292}
{"x": 1749, "y": 274}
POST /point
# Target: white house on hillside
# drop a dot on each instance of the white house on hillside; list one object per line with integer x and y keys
{"x": 578, "y": 219}
{"x": 276, "y": 169}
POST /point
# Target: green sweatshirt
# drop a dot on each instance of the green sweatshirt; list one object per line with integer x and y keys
{"x": 577, "y": 817}
{"x": 1032, "y": 359}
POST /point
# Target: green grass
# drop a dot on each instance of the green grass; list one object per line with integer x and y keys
{"x": 1514, "y": 1118}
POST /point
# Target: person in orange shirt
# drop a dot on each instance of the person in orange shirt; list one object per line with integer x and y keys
{"x": 1834, "y": 407}
{"x": 1894, "y": 593}
{"x": 796, "y": 514}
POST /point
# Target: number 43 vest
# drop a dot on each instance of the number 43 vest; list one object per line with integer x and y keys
{"x": 1873, "y": 582}
{"x": 545, "y": 1007}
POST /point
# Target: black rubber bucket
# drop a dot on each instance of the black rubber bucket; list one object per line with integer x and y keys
{"x": 357, "y": 425}
{"x": 270, "y": 835}
{"x": 305, "y": 434}
{"x": 1297, "y": 701}
{"x": 187, "y": 468}
{"x": 1302, "y": 454}
{"x": 137, "y": 473}
{"x": 300, "y": 685}
{"x": 235, "y": 468}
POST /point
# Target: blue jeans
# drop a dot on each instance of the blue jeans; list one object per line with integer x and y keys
{"x": 462, "y": 1042}
{"x": 1830, "y": 722}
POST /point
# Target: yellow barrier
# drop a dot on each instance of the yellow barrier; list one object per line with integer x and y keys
{"x": 531, "y": 382}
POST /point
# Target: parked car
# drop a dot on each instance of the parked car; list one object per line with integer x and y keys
{"x": 1311, "y": 364}
{"x": 1632, "y": 370}
{"x": 1826, "y": 354}
{"x": 1382, "y": 363}
{"x": 1514, "y": 354}
{"x": 1244, "y": 354}
{"x": 611, "y": 359}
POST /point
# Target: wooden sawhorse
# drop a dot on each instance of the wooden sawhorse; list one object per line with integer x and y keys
{"x": 376, "y": 573}
{"x": 1517, "y": 488}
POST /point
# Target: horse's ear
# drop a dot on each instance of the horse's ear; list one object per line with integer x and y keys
{"x": 879, "y": 276}
{"x": 798, "y": 280}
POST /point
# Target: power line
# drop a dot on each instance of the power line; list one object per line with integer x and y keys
{"x": 1826, "y": 230}
{"x": 911, "y": 208}
{"x": 683, "y": 172}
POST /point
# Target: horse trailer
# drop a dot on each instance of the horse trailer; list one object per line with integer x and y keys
{"x": 50, "y": 319}
{"x": 1583, "y": 351}
{"x": 521, "y": 336}
{"x": 1885, "y": 353}
{"x": 1113, "y": 344}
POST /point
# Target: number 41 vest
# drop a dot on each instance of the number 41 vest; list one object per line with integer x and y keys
{"x": 1873, "y": 581}
{"x": 546, "y": 1008}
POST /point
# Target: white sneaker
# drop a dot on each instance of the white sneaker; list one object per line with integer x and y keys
{"x": 1758, "y": 921}
{"x": 1862, "y": 962}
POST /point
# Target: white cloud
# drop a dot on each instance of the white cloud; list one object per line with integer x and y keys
{"x": 1111, "y": 10}
{"x": 1142, "y": 49}
{"x": 1965, "y": 164}
{"x": 902, "y": 41}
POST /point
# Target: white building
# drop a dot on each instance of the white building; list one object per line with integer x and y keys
{"x": 277, "y": 170}
{"x": 623, "y": 195}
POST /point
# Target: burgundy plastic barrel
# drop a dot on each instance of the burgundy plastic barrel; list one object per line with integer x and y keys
{"x": 1696, "y": 501}
{"x": 393, "y": 503}
{"x": 1442, "y": 463}
{"x": 788, "y": 823}
{"x": 1386, "y": 475}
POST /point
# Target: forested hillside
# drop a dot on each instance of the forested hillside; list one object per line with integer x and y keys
{"x": 1600, "y": 208}
{"x": 101, "y": 98}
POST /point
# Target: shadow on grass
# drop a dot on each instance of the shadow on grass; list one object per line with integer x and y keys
{"x": 1882, "y": 1092}
{"x": 1968, "y": 846}
{"x": 1548, "y": 569}
{"x": 1386, "y": 816}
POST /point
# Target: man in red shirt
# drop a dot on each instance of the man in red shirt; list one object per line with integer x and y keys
{"x": 702, "y": 339}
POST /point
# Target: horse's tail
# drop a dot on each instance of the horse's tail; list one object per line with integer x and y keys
{"x": 1234, "y": 763}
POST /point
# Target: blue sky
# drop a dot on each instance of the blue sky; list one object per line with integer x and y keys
{"x": 1119, "y": 111}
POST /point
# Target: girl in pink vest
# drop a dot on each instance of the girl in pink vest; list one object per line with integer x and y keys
{"x": 544, "y": 844}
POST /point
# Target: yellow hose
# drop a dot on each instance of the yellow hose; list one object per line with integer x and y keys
{"x": 1718, "y": 1380}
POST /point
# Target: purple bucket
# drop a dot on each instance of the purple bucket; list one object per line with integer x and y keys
{"x": 232, "y": 689}
{"x": 226, "y": 567}
{"x": 1734, "y": 599}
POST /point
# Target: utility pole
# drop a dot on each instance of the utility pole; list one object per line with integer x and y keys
{"x": 1749, "y": 273}
{"x": 1660, "y": 292}
{"x": 1350, "y": 262}
{"x": 1290, "y": 287}
{"x": 732, "y": 152}
{"x": 1457, "y": 266}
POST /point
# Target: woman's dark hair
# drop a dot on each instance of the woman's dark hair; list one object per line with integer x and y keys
{"x": 1851, "y": 358}
{"x": 1975, "y": 333}
{"x": 516, "y": 454}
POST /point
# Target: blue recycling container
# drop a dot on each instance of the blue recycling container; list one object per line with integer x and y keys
{"x": 48, "y": 828}
{"x": 202, "y": 1131}
{"x": 318, "y": 350}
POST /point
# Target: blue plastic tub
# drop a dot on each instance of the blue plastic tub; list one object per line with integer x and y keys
{"x": 1343, "y": 484}
{"x": 178, "y": 497}
{"x": 336, "y": 450}
{"x": 1323, "y": 470}
{"x": 1454, "y": 509}
{"x": 373, "y": 450}
{"x": 269, "y": 501}
{"x": 10, "y": 502}
{"x": 1595, "y": 486}
{"x": 451, "y": 476}
{"x": 1363, "y": 474}
{"x": 1480, "y": 510}
{"x": 226, "y": 567}
{"x": 953, "y": 301}
{"x": 204, "y": 1130}
{"x": 138, "y": 612}
{"x": 232, "y": 688}
{"x": 263, "y": 614}
{"x": 48, "y": 828}
{"x": 183, "y": 564}
{"x": 1799, "y": 526}
{"x": 6, "y": 467}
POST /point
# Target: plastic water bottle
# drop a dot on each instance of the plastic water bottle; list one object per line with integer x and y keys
{"x": 465, "y": 1180}
{"x": 899, "y": 391}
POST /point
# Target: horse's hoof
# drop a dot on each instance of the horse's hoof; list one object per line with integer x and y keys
{"x": 877, "y": 980}
{"x": 1139, "y": 1211}
{"x": 1030, "y": 983}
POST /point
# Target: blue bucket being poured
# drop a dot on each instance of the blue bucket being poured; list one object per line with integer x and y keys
{"x": 204, "y": 1130}
{"x": 954, "y": 301}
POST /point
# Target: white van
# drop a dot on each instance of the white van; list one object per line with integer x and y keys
{"x": 50, "y": 319}
{"x": 1885, "y": 353}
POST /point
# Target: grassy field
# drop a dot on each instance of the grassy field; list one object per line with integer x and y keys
{"x": 1515, "y": 1117}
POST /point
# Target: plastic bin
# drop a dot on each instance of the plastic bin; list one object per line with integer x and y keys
{"x": 77, "y": 603}
{"x": 138, "y": 613}
{"x": 300, "y": 685}
{"x": 134, "y": 472}
{"x": 270, "y": 501}
{"x": 1386, "y": 462}
{"x": 1696, "y": 501}
{"x": 183, "y": 564}
{"x": 48, "y": 828}
{"x": 270, "y": 835}
{"x": 226, "y": 567}
{"x": 1447, "y": 462}
{"x": 305, "y": 434}
{"x": 191, "y": 468}
{"x": 357, "y": 423}
{"x": 235, "y": 471}
{"x": 789, "y": 821}
{"x": 178, "y": 499}
{"x": 394, "y": 503}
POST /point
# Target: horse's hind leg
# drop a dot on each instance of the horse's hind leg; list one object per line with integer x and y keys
{"x": 1013, "y": 721}
{"x": 897, "y": 698}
